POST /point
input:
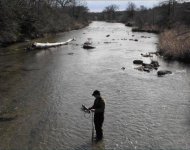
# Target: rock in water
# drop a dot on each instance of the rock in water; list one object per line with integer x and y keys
{"x": 140, "y": 68}
{"x": 88, "y": 46}
{"x": 146, "y": 55}
{"x": 163, "y": 72}
{"x": 155, "y": 64}
{"x": 123, "y": 68}
{"x": 138, "y": 62}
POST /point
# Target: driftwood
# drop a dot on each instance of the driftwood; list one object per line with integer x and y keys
{"x": 48, "y": 45}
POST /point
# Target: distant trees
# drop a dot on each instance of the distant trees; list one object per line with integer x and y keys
{"x": 130, "y": 10}
{"x": 21, "y": 19}
{"x": 110, "y": 12}
{"x": 141, "y": 16}
{"x": 167, "y": 14}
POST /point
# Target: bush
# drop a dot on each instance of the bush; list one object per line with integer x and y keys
{"x": 175, "y": 43}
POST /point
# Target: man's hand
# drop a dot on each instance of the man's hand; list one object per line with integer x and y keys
{"x": 93, "y": 110}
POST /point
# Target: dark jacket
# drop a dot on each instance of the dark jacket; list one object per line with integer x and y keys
{"x": 99, "y": 106}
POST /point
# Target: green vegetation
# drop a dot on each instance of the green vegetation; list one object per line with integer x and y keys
{"x": 27, "y": 19}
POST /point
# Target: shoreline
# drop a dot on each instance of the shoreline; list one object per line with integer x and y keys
{"x": 22, "y": 46}
{"x": 145, "y": 30}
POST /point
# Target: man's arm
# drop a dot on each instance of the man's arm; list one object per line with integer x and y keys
{"x": 93, "y": 107}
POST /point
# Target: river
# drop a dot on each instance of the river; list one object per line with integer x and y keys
{"x": 143, "y": 111}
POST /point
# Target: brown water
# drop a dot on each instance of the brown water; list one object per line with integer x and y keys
{"x": 143, "y": 111}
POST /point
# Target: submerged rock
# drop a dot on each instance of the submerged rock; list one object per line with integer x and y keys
{"x": 146, "y": 55}
{"x": 147, "y": 65}
{"x": 88, "y": 46}
{"x": 146, "y": 69}
{"x": 107, "y": 42}
{"x": 70, "y": 53}
{"x": 154, "y": 53}
{"x": 163, "y": 72}
{"x": 155, "y": 64}
{"x": 140, "y": 68}
{"x": 107, "y": 35}
{"x": 123, "y": 68}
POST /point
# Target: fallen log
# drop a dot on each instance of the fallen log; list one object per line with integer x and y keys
{"x": 48, "y": 45}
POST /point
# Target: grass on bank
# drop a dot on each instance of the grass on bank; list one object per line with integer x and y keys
{"x": 149, "y": 29}
{"x": 175, "y": 44}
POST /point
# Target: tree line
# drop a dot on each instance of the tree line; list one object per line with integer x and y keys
{"x": 165, "y": 15}
{"x": 170, "y": 18}
{"x": 27, "y": 19}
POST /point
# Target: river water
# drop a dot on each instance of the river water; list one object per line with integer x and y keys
{"x": 143, "y": 111}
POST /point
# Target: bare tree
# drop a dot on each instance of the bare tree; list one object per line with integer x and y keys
{"x": 63, "y": 3}
{"x": 109, "y": 12}
{"x": 130, "y": 10}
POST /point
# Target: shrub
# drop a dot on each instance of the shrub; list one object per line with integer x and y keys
{"x": 175, "y": 43}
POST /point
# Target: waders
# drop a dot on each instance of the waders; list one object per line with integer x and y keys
{"x": 92, "y": 126}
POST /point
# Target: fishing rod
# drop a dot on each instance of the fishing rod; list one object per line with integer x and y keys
{"x": 87, "y": 111}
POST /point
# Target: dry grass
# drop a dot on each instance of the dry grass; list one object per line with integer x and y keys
{"x": 175, "y": 43}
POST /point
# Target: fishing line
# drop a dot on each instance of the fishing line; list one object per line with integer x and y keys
{"x": 87, "y": 115}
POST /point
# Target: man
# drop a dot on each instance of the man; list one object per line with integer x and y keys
{"x": 98, "y": 109}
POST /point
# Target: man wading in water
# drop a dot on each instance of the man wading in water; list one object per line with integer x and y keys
{"x": 98, "y": 109}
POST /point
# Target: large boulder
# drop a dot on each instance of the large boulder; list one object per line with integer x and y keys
{"x": 138, "y": 62}
{"x": 163, "y": 72}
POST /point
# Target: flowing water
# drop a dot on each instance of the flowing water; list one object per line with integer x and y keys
{"x": 143, "y": 111}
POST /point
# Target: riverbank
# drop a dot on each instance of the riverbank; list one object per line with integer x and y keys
{"x": 35, "y": 35}
{"x": 174, "y": 44}
{"x": 145, "y": 30}
{"x": 21, "y": 46}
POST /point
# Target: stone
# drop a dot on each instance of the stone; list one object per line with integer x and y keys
{"x": 163, "y": 72}
{"x": 138, "y": 62}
